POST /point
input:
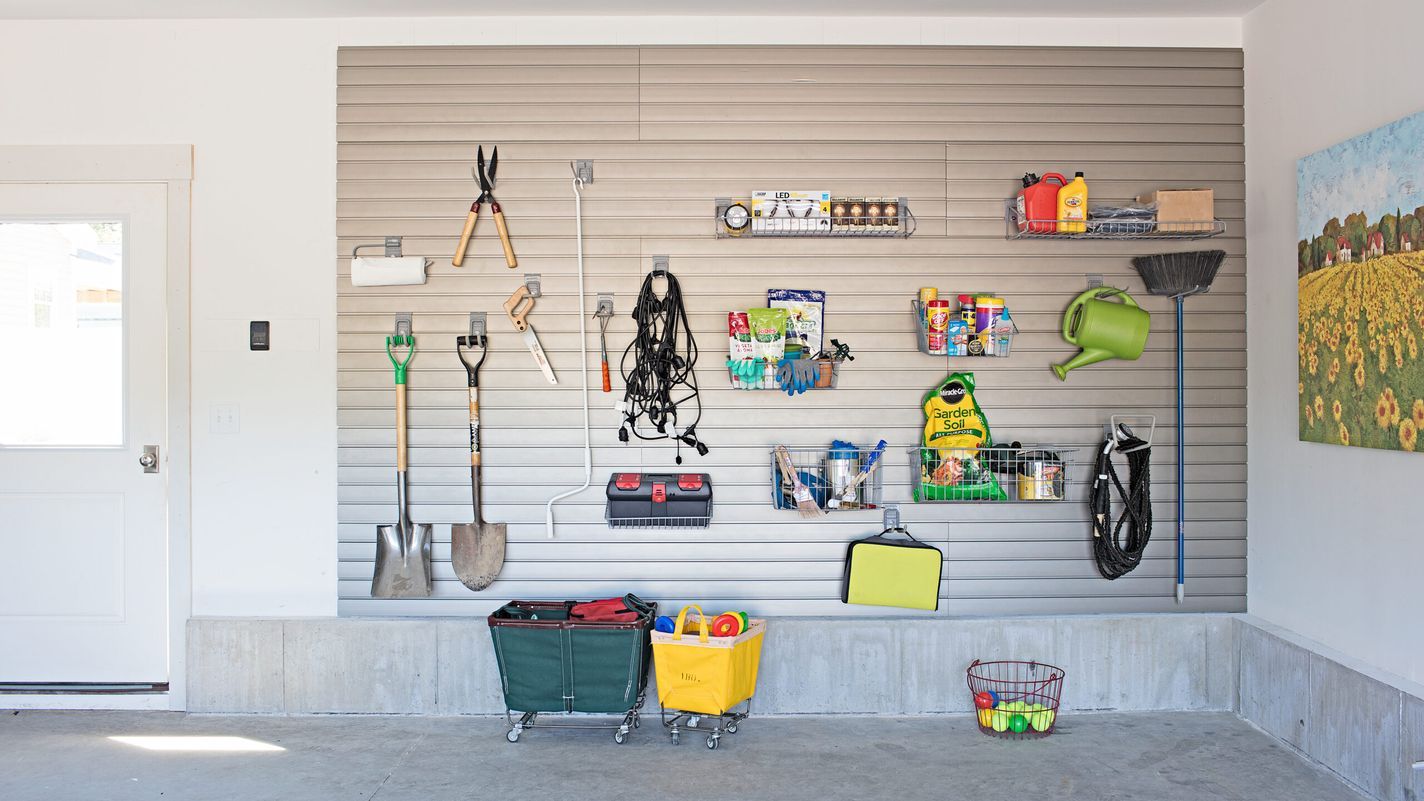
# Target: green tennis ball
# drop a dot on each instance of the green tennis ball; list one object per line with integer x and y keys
{"x": 1000, "y": 721}
{"x": 1042, "y": 721}
{"x": 1018, "y": 723}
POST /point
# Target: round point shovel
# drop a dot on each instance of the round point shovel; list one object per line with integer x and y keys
{"x": 402, "y": 550}
{"x": 477, "y": 548}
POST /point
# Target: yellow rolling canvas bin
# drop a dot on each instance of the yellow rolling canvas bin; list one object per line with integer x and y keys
{"x": 885, "y": 571}
{"x": 703, "y": 674}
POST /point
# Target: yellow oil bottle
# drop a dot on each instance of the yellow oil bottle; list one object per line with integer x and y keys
{"x": 1073, "y": 206}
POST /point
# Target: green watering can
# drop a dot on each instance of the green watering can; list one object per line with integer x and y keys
{"x": 1103, "y": 329}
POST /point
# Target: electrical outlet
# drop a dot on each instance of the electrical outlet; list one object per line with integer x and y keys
{"x": 223, "y": 419}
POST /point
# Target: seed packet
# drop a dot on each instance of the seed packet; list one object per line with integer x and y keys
{"x": 805, "y": 316}
{"x": 951, "y": 468}
{"x": 768, "y": 333}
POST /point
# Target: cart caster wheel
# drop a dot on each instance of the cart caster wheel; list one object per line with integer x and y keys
{"x": 731, "y": 728}
{"x": 712, "y": 741}
{"x": 512, "y": 735}
{"x": 676, "y": 738}
{"x": 637, "y": 722}
{"x": 620, "y": 737}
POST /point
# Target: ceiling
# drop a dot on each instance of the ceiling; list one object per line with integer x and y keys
{"x": 262, "y": 9}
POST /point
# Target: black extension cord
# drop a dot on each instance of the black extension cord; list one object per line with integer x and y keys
{"x": 661, "y": 378}
{"x": 1114, "y": 557}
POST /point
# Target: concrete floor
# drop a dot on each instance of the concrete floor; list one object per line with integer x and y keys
{"x": 1156, "y": 757}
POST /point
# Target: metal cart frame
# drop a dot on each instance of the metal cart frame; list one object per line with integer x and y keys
{"x": 632, "y": 719}
{"x": 681, "y": 721}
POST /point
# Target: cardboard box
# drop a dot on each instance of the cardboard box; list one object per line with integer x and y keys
{"x": 1182, "y": 210}
{"x": 791, "y": 211}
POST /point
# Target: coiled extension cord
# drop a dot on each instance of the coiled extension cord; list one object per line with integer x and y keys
{"x": 1116, "y": 558}
{"x": 663, "y": 357}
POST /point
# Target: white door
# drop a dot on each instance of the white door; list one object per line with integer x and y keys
{"x": 83, "y": 540}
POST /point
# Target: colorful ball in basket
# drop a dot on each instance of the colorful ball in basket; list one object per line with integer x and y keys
{"x": 665, "y": 624}
{"x": 986, "y": 718}
{"x": 1041, "y": 721}
{"x": 999, "y": 720}
{"x": 1018, "y": 724}
{"x": 983, "y": 700}
{"x": 746, "y": 620}
{"x": 726, "y": 625}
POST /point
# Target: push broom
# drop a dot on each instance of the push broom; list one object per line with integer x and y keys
{"x": 1179, "y": 276}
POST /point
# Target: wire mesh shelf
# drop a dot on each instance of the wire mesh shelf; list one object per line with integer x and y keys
{"x": 849, "y": 217}
{"x": 827, "y": 472}
{"x": 1109, "y": 228}
{"x": 691, "y": 521}
{"x": 827, "y": 373}
{"x": 997, "y": 343}
{"x": 1003, "y": 474}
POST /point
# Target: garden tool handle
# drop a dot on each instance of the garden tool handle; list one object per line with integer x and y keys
{"x": 504, "y": 236}
{"x": 682, "y": 617}
{"x": 607, "y": 383}
{"x": 400, "y": 429}
{"x": 470, "y": 218}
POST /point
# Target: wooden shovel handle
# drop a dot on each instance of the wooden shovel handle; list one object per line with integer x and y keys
{"x": 470, "y": 218}
{"x": 504, "y": 236}
{"x": 400, "y": 428}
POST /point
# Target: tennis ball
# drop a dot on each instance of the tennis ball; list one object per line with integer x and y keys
{"x": 1018, "y": 723}
{"x": 999, "y": 721}
{"x": 1042, "y": 721}
{"x": 986, "y": 718}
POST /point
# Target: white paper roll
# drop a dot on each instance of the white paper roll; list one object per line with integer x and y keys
{"x": 403, "y": 271}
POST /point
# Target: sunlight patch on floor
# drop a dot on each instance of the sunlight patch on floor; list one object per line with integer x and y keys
{"x": 196, "y": 743}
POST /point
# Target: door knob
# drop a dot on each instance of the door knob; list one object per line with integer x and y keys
{"x": 149, "y": 459}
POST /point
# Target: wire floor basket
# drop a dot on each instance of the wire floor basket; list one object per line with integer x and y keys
{"x": 1015, "y": 700}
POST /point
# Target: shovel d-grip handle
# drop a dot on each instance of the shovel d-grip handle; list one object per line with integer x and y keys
{"x": 400, "y": 341}
{"x": 400, "y": 369}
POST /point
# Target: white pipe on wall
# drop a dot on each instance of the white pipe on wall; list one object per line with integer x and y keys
{"x": 583, "y": 359}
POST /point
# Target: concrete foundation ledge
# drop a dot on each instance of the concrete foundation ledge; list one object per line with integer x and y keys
{"x": 899, "y": 666}
{"x": 1363, "y": 724}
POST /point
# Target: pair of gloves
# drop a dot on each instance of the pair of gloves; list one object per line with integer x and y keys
{"x": 793, "y": 376}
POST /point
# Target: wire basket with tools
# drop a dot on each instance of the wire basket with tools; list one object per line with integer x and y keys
{"x": 1015, "y": 700}
{"x": 831, "y": 475}
{"x": 998, "y": 474}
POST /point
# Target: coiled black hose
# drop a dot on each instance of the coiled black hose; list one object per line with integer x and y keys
{"x": 661, "y": 378}
{"x": 1116, "y": 558}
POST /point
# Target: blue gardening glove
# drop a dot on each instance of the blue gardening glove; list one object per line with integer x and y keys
{"x": 795, "y": 376}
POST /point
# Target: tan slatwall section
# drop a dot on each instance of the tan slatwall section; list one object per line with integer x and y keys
{"x": 669, "y": 130}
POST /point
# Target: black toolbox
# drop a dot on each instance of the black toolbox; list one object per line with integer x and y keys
{"x": 659, "y": 500}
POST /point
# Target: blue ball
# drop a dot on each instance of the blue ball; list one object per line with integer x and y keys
{"x": 665, "y": 624}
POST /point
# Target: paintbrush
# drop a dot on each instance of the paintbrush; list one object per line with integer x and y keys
{"x": 804, "y": 502}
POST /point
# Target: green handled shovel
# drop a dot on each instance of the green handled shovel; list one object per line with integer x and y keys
{"x": 402, "y": 550}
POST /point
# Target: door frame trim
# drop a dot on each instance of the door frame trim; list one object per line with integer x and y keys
{"x": 172, "y": 166}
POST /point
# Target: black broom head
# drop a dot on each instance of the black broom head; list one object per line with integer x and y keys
{"x": 1179, "y": 274}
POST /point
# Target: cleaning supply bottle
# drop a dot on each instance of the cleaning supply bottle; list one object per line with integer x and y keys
{"x": 1073, "y": 206}
{"x": 1038, "y": 203}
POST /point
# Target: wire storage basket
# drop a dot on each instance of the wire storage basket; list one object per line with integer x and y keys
{"x": 1015, "y": 700}
{"x": 849, "y": 217}
{"x": 1027, "y": 474}
{"x": 997, "y": 342}
{"x": 828, "y": 474}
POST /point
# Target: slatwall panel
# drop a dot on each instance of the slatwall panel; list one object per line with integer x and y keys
{"x": 672, "y": 128}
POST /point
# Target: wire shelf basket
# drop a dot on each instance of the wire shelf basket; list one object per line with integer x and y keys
{"x": 1026, "y": 474}
{"x": 695, "y": 521}
{"x": 986, "y": 344}
{"x": 891, "y": 217}
{"x": 828, "y": 372}
{"x": 1113, "y": 228}
{"x": 827, "y": 473}
{"x": 1022, "y": 698}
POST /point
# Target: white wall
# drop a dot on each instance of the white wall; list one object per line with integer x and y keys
{"x": 257, "y": 100}
{"x": 1335, "y": 546}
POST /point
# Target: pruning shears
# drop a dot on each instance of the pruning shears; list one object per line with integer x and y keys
{"x": 486, "y": 180}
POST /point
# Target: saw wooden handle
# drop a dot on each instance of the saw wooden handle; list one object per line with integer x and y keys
{"x": 400, "y": 428}
{"x": 504, "y": 236}
{"x": 470, "y": 218}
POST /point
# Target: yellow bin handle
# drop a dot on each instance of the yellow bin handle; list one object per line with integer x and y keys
{"x": 682, "y": 618}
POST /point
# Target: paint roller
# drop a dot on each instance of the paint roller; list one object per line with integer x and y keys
{"x": 392, "y": 269}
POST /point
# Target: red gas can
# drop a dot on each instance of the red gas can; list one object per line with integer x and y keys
{"x": 1038, "y": 203}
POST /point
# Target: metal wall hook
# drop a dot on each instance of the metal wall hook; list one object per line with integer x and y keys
{"x": 392, "y": 246}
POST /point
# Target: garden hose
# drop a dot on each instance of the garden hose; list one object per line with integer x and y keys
{"x": 1115, "y": 557}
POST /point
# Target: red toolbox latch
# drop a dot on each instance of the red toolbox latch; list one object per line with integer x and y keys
{"x": 659, "y": 493}
{"x": 690, "y": 481}
{"x": 628, "y": 481}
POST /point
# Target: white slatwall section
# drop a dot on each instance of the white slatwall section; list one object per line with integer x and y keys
{"x": 672, "y": 128}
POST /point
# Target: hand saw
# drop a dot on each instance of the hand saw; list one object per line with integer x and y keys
{"x": 518, "y": 307}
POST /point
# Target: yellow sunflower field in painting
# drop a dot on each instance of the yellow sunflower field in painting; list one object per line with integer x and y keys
{"x": 1363, "y": 321}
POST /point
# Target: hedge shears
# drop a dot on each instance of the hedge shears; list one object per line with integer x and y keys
{"x": 486, "y": 179}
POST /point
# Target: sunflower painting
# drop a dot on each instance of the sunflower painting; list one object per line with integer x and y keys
{"x": 1360, "y": 282}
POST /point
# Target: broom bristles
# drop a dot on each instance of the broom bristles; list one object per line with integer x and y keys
{"x": 1174, "y": 274}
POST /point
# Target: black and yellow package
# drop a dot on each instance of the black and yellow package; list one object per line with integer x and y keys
{"x": 951, "y": 463}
